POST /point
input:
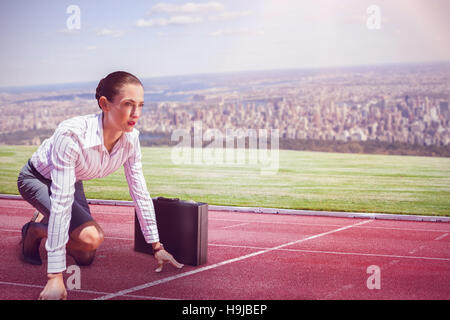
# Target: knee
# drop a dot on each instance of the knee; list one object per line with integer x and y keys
{"x": 93, "y": 239}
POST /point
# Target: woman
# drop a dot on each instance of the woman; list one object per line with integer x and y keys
{"x": 83, "y": 148}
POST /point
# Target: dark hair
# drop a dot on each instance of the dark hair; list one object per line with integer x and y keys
{"x": 112, "y": 83}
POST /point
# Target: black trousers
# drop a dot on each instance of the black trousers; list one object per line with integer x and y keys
{"x": 35, "y": 189}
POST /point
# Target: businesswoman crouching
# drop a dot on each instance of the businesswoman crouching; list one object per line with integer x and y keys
{"x": 84, "y": 148}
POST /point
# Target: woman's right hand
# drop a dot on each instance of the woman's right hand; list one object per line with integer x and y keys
{"x": 55, "y": 288}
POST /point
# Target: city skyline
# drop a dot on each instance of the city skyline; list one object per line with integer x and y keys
{"x": 397, "y": 104}
{"x": 46, "y": 44}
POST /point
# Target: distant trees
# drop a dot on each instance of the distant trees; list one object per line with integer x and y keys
{"x": 36, "y": 136}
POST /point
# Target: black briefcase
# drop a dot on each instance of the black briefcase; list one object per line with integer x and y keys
{"x": 182, "y": 228}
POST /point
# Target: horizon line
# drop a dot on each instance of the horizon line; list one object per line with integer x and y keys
{"x": 235, "y": 72}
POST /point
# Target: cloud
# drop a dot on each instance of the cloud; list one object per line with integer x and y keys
{"x": 174, "y": 20}
{"x": 109, "y": 33}
{"x": 68, "y": 31}
{"x": 187, "y": 8}
{"x": 228, "y": 15}
{"x": 165, "y": 14}
{"x": 237, "y": 32}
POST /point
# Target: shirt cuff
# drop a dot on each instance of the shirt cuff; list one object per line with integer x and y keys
{"x": 56, "y": 261}
{"x": 151, "y": 237}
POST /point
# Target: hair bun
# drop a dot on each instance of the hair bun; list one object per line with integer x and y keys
{"x": 98, "y": 91}
{"x": 110, "y": 86}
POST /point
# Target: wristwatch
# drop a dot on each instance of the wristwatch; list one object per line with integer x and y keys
{"x": 161, "y": 247}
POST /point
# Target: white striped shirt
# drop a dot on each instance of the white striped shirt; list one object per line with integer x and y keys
{"x": 76, "y": 151}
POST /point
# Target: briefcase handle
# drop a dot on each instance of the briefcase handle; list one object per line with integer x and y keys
{"x": 168, "y": 199}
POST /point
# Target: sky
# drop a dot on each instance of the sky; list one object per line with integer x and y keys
{"x": 45, "y": 43}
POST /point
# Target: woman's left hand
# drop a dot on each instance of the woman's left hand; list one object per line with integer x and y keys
{"x": 162, "y": 256}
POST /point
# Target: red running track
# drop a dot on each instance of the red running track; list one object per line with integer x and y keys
{"x": 250, "y": 256}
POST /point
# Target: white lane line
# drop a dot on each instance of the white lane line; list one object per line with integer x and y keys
{"x": 300, "y": 224}
{"x": 26, "y": 285}
{"x": 302, "y": 250}
{"x": 441, "y": 237}
{"x": 322, "y": 224}
{"x": 236, "y": 225}
{"x": 11, "y": 230}
{"x": 334, "y": 252}
{"x": 216, "y": 265}
{"x": 19, "y": 231}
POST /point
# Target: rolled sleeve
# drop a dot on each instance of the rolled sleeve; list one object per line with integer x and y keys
{"x": 140, "y": 195}
{"x": 63, "y": 157}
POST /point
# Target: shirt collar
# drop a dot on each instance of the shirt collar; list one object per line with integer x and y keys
{"x": 94, "y": 134}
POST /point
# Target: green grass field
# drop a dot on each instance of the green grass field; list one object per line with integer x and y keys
{"x": 305, "y": 180}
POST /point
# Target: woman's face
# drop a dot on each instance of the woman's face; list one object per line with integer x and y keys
{"x": 124, "y": 111}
